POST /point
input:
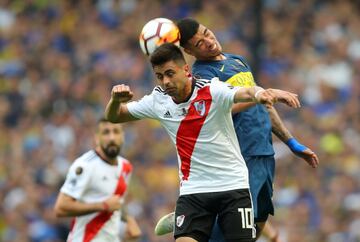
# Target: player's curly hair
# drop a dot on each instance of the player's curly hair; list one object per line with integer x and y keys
{"x": 188, "y": 28}
{"x": 166, "y": 52}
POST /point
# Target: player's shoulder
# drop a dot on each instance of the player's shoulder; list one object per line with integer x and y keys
{"x": 88, "y": 158}
{"x": 159, "y": 94}
{"x": 239, "y": 58}
{"x": 126, "y": 164}
{"x": 201, "y": 83}
{"x": 85, "y": 163}
{"x": 158, "y": 91}
{"x": 203, "y": 66}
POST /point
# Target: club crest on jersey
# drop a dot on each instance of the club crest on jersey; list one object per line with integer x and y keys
{"x": 200, "y": 107}
{"x": 180, "y": 220}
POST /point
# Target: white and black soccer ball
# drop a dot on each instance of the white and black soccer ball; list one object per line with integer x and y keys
{"x": 156, "y": 32}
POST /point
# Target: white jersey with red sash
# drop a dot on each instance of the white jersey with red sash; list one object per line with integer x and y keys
{"x": 90, "y": 179}
{"x": 203, "y": 132}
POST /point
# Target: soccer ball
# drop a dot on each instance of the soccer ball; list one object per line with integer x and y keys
{"x": 156, "y": 32}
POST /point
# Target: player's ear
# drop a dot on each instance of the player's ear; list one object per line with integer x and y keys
{"x": 187, "y": 51}
{"x": 187, "y": 69}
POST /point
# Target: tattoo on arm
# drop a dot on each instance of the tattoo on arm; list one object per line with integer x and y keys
{"x": 278, "y": 127}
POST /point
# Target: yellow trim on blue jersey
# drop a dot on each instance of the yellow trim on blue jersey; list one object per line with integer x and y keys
{"x": 242, "y": 79}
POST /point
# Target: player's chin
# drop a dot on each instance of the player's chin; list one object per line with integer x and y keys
{"x": 170, "y": 91}
{"x": 112, "y": 151}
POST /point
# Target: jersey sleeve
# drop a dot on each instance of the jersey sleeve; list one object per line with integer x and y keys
{"x": 127, "y": 170}
{"x": 223, "y": 93}
{"x": 77, "y": 180}
{"x": 142, "y": 108}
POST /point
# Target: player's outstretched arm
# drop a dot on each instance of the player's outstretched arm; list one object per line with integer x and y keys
{"x": 266, "y": 96}
{"x": 279, "y": 129}
{"x": 116, "y": 110}
{"x": 67, "y": 206}
{"x": 270, "y": 96}
{"x": 239, "y": 107}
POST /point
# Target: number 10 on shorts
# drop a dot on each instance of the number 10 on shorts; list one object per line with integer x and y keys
{"x": 246, "y": 218}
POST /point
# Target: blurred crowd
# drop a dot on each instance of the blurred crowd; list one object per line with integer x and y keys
{"x": 59, "y": 60}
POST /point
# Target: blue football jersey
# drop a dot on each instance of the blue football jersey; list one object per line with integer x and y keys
{"x": 253, "y": 126}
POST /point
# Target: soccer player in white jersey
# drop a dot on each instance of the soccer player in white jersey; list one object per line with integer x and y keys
{"x": 94, "y": 189}
{"x": 197, "y": 116}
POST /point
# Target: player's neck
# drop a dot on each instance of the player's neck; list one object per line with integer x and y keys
{"x": 105, "y": 158}
{"x": 186, "y": 94}
{"x": 213, "y": 58}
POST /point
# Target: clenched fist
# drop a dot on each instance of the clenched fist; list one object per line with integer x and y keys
{"x": 121, "y": 93}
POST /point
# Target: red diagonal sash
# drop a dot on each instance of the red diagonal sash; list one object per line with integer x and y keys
{"x": 94, "y": 226}
{"x": 190, "y": 128}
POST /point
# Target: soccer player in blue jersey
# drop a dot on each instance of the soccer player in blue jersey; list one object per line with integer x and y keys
{"x": 253, "y": 125}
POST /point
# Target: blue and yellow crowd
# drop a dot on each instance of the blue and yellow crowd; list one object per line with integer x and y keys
{"x": 59, "y": 60}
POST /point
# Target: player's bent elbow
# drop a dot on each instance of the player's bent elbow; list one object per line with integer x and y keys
{"x": 59, "y": 211}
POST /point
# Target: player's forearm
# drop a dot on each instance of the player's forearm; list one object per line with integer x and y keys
{"x": 246, "y": 94}
{"x": 117, "y": 112}
{"x": 239, "y": 107}
{"x": 278, "y": 127}
{"x": 133, "y": 230}
{"x": 77, "y": 208}
{"x": 113, "y": 111}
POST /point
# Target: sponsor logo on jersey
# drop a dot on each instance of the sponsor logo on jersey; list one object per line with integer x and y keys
{"x": 183, "y": 112}
{"x": 200, "y": 107}
{"x": 180, "y": 220}
{"x": 167, "y": 114}
{"x": 242, "y": 79}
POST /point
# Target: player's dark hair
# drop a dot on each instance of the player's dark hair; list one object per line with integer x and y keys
{"x": 166, "y": 52}
{"x": 102, "y": 120}
{"x": 188, "y": 27}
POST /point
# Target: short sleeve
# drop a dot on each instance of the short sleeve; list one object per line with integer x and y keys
{"x": 142, "y": 108}
{"x": 223, "y": 94}
{"x": 77, "y": 180}
{"x": 127, "y": 170}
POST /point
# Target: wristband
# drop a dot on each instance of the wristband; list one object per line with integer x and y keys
{"x": 257, "y": 94}
{"x": 105, "y": 206}
{"x": 295, "y": 146}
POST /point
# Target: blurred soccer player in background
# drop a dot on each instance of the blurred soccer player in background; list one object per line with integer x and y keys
{"x": 94, "y": 189}
{"x": 197, "y": 116}
{"x": 253, "y": 123}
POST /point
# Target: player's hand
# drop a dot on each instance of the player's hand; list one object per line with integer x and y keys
{"x": 121, "y": 93}
{"x": 309, "y": 156}
{"x": 271, "y": 96}
{"x": 276, "y": 238}
{"x": 113, "y": 203}
{"x": 304, "y": 152}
